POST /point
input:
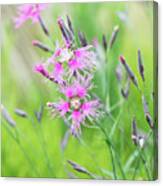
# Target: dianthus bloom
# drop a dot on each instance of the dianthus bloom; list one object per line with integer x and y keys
{"x": 72, "y": 69}
{"x": 67, "y": 63}
{"x": 77, "y": 106}
{"x": 28, "y": 11}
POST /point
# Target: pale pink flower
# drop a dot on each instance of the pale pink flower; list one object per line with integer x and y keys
{"x": 84, "y": 59}
{"x": 77, "y": 107}
{"x": 55, "y": 75}
{"x": 28, "y": 12}
{"x": 58, "y": 72}
{"x": 79, "y": 61}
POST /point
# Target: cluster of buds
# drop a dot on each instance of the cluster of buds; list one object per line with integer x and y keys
{"x": 70, "y": 67}
{"x": 132, "y": 77}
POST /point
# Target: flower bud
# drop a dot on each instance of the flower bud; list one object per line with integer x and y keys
{"x": 41, "y": 46}
{"x": 128, "y": 70}
{"x": 82, "y": 39}
{"x": 140, "y": 66}
{"x": 114, "y": 36}
{"x": 104, "y": 42}
{"x": 146, "y": 112}
{"x": 134, "y": 135}
{"x": 20, "y": 113}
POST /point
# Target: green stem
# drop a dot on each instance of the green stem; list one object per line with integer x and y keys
{"x": 115, "y": 152}
{"x": 119, "y": 163}
{"x": 92, "y": 155}
{"x": 145, "y": 166}
{"x": 136, "y": 168}
{"x": 110, "y": 150}
{"x": 17, "y": 140}
{"x": 43, "y": 145}
{"x": 112, "y": 159}
{"x": 141, "y": 157}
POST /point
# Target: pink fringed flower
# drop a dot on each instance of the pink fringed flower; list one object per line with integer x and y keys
{"x": 65, "y": 63}
{"x": 28, "y": 11}
{"x": 84, "y": 59}
{"x": 77, "y": 107}
{"x": 76, "y": 62}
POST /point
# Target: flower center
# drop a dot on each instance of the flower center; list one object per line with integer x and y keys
{"x": 75, "y": 103}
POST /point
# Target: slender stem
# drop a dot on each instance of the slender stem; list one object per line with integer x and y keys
{"x": 17, "y": 140}
{"x": 112, "y": 159}
{"x": 136, "y": 168}
{"x": 45, "y": 153}
{"x": 107, "y": 101}
{"x": 119, "y": 163}
{"x": 91, "y": 154}
{"x": 111, "y": 151}
{"x": 141, "y": 157}
{"x": 43, "y": 145}
{"x": 115, "y": 153}
{"x": 145, "y": 166}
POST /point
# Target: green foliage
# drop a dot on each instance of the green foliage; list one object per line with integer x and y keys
{"x": 36, "y": 151}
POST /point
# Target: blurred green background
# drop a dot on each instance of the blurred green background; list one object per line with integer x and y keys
{"x": 22, "y": 88}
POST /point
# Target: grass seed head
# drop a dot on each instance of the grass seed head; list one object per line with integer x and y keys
{"x": 140, "y": 65}
{"x": 114, "y": 36}
{"x": 77, "y": 167}
{"x": 39, "y": 113}
{"x": 70, "y": 24}
{"x": 82, "y": 39}
{"x": 7, "y": 116}
{"x": 44, "y": 28}
{"x": 134, "y": 134}
{"x": 129, "y": 71}
{"x": 146, "y": 112}
{"x": 21, "y": 113}
{"x": 41, "y": 46}
{"x": 104, "y": 42}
